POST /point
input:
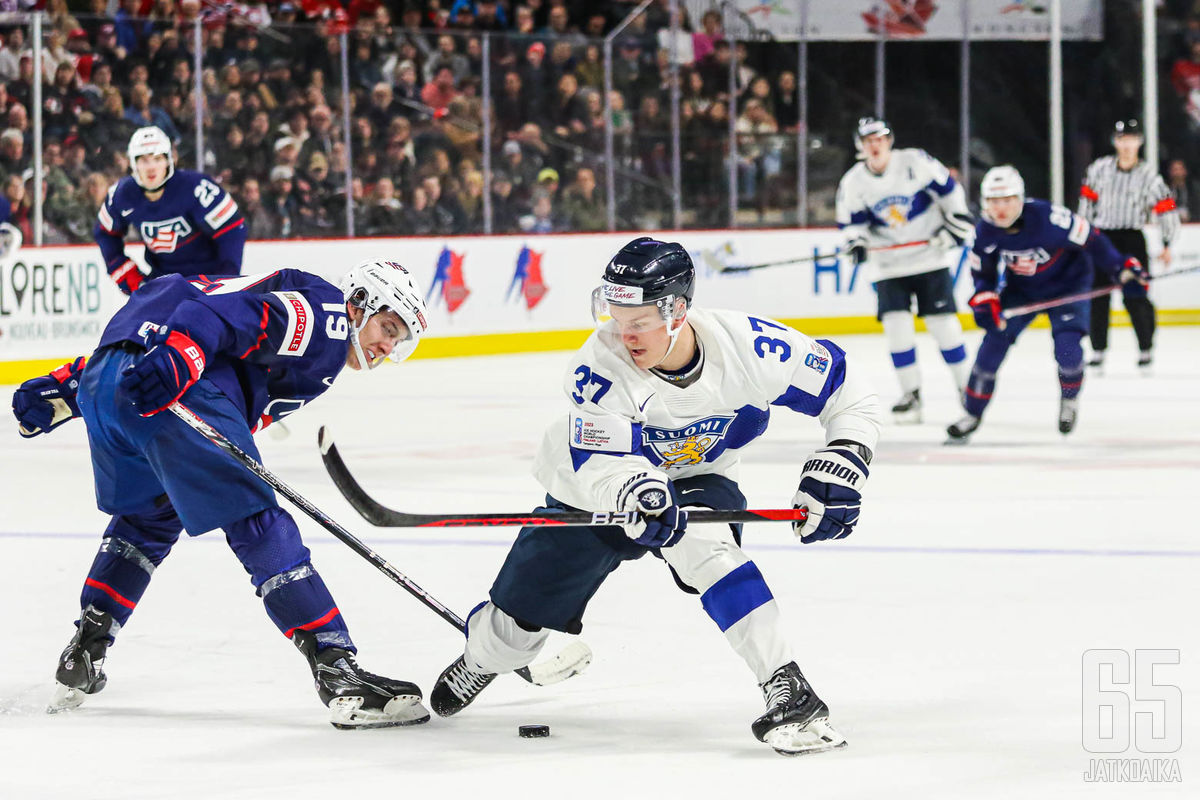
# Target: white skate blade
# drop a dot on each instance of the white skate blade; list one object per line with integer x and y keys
{"x": 798, "y": 740}
{"x": 911, "y": 417}
{"x": 571, "y": 660}
{"x": 346, "y": 713}
{"x": 278, "y": 431}
{"x": 64, "y": 699}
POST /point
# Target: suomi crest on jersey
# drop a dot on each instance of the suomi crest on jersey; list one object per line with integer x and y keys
{"x": 680, "y": 447}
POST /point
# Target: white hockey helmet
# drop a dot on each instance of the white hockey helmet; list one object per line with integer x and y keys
{"x": 870, "y": 126}
{"x": 148, "y": 141}
{"x": 375, "y": 286}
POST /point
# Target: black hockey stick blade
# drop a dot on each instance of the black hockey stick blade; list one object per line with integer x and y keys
{"x": 381, "y": 516}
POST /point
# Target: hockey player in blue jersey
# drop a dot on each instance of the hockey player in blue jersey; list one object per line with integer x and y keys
{"x": 663, "y": 398}
{"x": 1027, "y": 251}
{"x": 240, "y": 352}
{"x": 191, "y": 226}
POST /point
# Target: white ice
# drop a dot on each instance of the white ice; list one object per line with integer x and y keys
{"x": 947, "y": 634}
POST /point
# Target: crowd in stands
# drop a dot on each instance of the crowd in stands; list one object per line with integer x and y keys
{"x": 272, "y": 120}
{"x": 273, "y": 128}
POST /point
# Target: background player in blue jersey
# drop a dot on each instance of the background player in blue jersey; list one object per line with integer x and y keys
{"x": 191, "y": 226}
{"x": 1027, "y": 251}
{"x": 240, "y": 353}
{"x": 663, "y": 398}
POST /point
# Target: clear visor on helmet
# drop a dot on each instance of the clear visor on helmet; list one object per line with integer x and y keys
{"x": 622, "y": 309}
{"x": 389, "y": 331}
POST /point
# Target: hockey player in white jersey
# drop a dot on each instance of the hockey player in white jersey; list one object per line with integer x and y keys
{"x": 897, "y": 197}
{"x": 663, "y": 397}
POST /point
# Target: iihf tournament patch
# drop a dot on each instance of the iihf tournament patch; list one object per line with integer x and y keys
{"x": 814, "y": 361}
{"x": 601, "y": 434}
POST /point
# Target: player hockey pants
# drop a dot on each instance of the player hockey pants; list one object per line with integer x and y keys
{"x": 1067, "y": 329}
{"x": 151, "y": 472}
{"x": 1134, "y": 295}
{"x": 551, "y": 573}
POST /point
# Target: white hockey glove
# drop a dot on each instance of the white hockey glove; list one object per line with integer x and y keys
{"x": 831, "y": 490}
{"x": 956, "y": 232}
{"x": 660, "y": 522}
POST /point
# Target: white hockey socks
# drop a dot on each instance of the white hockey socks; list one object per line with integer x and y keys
{"x": 947, "y": 332}
{"x": 496, "y": 643}
{"x": 899, "y": 328}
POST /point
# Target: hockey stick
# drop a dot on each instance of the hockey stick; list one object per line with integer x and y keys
{"x": 716, "y": 265}
{"x": 381, "y": 516}
{"x": 571, "y": 661}
{"x": 1043, "y": 305}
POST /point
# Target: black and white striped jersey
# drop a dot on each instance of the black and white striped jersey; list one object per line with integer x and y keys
{"x": 1113, "y": 198}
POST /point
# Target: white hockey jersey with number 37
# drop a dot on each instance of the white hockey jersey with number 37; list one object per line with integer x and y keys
{"x": 913, "y": 198}
{"x": 625, "y": 420}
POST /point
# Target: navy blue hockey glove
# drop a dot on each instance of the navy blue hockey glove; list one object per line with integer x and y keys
{"x": 659, "y": 523}
{"x": 856, "y": 249}
{"x": 173, "y": 362}
{"x": 831, "y": 490}
{"x": 1132, "y": 270}
{"x": 42, "y": 404}
{"x": 986, "y": 307}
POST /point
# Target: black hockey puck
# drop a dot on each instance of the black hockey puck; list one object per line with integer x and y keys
{"x": 533, "y": 731}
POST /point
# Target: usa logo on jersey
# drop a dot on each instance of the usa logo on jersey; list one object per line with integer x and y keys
{"x": 1024, "y": 262}
{"x": 681, "y": 447}
{"x": 164, "y": 236}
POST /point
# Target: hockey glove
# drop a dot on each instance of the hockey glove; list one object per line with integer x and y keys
{"x": 856, "y": 249}
{"x": 831, "y": 490}
{"x": 945, "y": 239}
{"x": 128, "y": 277}
{"x": 1132, "y": 270}
{"x": 659, "y": 522}
{"x": 42, "y": 404}
{"x": 171, "y": 365}
{"x": 986, "y": 306}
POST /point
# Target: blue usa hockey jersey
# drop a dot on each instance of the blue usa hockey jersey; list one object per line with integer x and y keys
{"x": 195, "y": 228}
{"x": 1048, "y": 253}
{"x": 272, "y": 342}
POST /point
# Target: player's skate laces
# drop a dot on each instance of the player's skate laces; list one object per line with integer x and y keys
{"x": 797, "y": 721}
{"x": 908, "y": 408}
{"x": 457, "y": 686}
{"x": 79, "y": 667}
{"x": 357, "y": 698}
{"x": 1068, "y": 411}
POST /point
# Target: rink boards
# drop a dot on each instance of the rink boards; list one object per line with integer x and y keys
{"x": 503, "y": 294}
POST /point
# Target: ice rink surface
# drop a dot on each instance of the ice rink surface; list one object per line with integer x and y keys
{"x": 947, "y": 634}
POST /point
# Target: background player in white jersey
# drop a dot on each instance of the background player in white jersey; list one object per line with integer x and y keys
{"x": 663, "y": 397}
{"x": 896, "y": 197}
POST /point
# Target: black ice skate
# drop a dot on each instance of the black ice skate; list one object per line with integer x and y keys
{"x": 797, "y": 721}
{"x": 907, "y": 410}
{"x": 79, "y": 667}
{"x": 357, "y": 698}
{"x": 1068, "y": 411}
{"x": 457, "y": 686}
{"x": 1145, "y": 361}
{"x": 959, "y": 431}
{"x": 1097, "y": 362}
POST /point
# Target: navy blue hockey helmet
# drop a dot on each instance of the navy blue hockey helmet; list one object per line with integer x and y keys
{"x": 649, "y": 271}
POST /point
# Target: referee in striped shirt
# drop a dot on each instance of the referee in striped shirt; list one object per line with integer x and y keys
{"x": 1121, "y": 194}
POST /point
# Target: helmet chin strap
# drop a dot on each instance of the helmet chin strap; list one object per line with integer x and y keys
{"x": 673, "y": 335}
{"x": 355, "y": 328}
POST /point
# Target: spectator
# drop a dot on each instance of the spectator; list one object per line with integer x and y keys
{"x": 129, "y": 31}
{"x": 110, "y": 129}
{"x": 438, "y": 93}
{"x": 75, "y": 161}
{"x": 19, "y": 205}
{"x": 568, "y": 112}
{"x": 536, "y": 80}
{"x": 582, "y": 206}
{"x": 12, "y": 152}
{"x": 385, "y": 215}
{"x": 505, "y": 210}
{"x": 511, "y": 107}
{"x": 631, "y": 75}
{"x": 787, "y": 102}
{"x": 420, "y": 218}
{"x": 260, "y": 223}
{"x": 281, "y": 204}
{"x": 448, "y": 216}
{"x": 590, "y": 70}
{"x": 447, "y": 55}
{"x": 365, "y": 70}
{"x": 1183, "y": 189}
{"x": 109, "y": 51}
{"x": 705, "y": 40}
{"x": 321, "y": 133}
{"x": 470, "y": 199}
{"x": 547, "y": 182}
{"x": 759, "y": 155}
{"x": 10, "y": 54}
{"x": 142, "y": 114}
{"x": 231, "y": 152}
{"x": 685, "y": 53}
{"x": 62, "y": 103}
{"x": 541, "y": 218}
{"x": 464, "y": 129}
{"x": 258, "y": 143}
